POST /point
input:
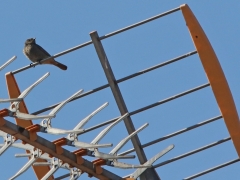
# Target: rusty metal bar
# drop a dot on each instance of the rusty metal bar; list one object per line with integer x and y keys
{"x": 50, "y": 148}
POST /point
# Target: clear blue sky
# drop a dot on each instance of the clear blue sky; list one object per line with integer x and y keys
{"x": 59, "y": 25}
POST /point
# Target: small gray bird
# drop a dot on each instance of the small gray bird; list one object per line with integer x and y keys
{"x": 36, "y": 53}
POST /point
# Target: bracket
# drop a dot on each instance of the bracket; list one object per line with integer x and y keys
{"x": 97, "y": 165}
{"x": 59, "y": 143}
{"x": 4, "y": 112}
{"x": 79, "y": 153}
{"x": 33, "y": 129}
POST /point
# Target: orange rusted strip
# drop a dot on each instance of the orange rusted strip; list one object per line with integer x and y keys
{"x": 59, "y": 143}
{"x": 215, "y": 76}
{"x": 97, "y": 160}
{"x": 80, "y": 152}
{"x": 4, "y": 112}
{"x": 2, "y": 121}
{"x": 14, "y": 92}
{"x": 100, "y": 162}
{"x": 33, "y": 129}
{"x": 97, "y": 165}
{"x": 98, "y": 169}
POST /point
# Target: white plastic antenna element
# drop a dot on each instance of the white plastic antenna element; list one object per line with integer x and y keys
{"x": 72, "y": 137}
{"x": 107, "y": 129}
{"x": 87, "y": 145}
{"x": 13, "y": 110}
{"x": 56, "y": 164}
{"x": 8, "y": 62}
{"x": 75, "y": 173}
{"x": 125, "y": 140}
{"x": 86, "y": 119}
{"x": 139, "y": 171}
{"x": 10, "y": 100}
{"x": 46, "y": 123}
{"x": 112, "y": 156}
{"x": 35, "y": 154}
{"x": 8, "y": 141}
{"x": 94, "y": 144}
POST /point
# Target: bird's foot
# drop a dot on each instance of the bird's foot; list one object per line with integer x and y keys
{"x": 39, "y": 62}
{"x": 31, "y": 64}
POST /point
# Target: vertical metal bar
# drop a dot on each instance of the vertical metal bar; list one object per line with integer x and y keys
{"x": 150, "y": 173}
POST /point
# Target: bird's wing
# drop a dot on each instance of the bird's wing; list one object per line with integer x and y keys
{"x": 43, "y": 50}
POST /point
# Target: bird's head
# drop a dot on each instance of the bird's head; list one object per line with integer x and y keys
{"x": 30, "y": 41}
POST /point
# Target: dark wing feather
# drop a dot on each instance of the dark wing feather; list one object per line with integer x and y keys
{"x": 43, "y": 50}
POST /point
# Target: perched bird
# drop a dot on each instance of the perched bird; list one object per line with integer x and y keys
{"x": 36, "y": 53}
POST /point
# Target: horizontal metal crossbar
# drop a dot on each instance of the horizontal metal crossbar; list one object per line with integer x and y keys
{"x": 150, "y": 106}
{"x": 102, "y": 37}
{"x": 212, "y": 169}
{"x": 192, "y": 152}
{"x": 139, "y": 23}
{"x": 169, "y": 99}
{"x": 62, "y": 177}
{"x": 123, "y": 79}
{"x": 174, "y": 134}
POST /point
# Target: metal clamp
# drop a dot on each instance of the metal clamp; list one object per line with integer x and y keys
{"x": 35, "y": 154}
{"x": 8, "y": 141}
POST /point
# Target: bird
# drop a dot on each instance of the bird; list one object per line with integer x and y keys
{"x": 36, "y": 53}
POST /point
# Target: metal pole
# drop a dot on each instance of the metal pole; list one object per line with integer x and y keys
{"x": 120, "y": 102}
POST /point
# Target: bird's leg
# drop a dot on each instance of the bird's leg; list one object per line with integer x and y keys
{"x": 31, "y": 64}
{"x": 39, "y": 61}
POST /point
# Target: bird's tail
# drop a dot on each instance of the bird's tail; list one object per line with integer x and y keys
{"x": 60, "y": 65}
